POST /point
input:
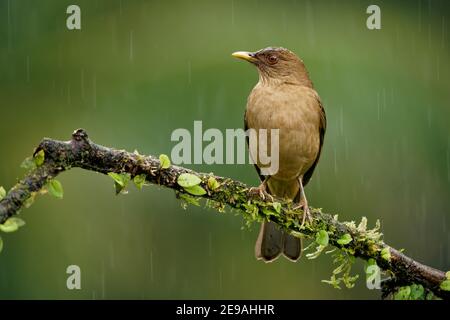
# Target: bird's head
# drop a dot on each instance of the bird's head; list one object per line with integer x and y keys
{"x": 277, "y": 64}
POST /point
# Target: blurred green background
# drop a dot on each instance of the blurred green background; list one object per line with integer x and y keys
{"x": 140, "y": 69}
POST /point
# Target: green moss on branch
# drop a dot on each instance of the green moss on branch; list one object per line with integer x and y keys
{"x": 52, "y": 157}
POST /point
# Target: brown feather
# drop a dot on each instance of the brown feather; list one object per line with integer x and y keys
{"x": 285, "y": 99}
{"x": 322, "y": 128}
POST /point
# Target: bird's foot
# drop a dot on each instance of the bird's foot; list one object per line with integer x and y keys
{"x": 306, "y": 213}
{"x": 260, "y": 192}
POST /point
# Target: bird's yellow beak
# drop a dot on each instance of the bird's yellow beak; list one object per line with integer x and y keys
{"x": 244, "y": 55}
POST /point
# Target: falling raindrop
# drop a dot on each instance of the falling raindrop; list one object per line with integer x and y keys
{"x": 335, "y": 160}
{"x": 82, "y": 84}
{"x": 413, "y": 42}
{"x": 60, "y": 56}
{"x": 94, "y": 90}
{"x": 131, "y": 46}
{"x": 232, "y": 12}
{"x": 9, "y": 28}
{"x": 189, "y": 72}
{"x": 210, "y": 244}
{"x": 122, "y": 207}
{"x": 423, "y": 207}
{"x": 151, "y": 266}
{"x": 69, "y": 99}
{"x": 443, "y": 33}
{"x": 174, "y": 274}
{"x": 341, "y": 121}
{"x": 448, "y": 251}
{"x": 111, "y": 256}
{"x": 233, "y": 269}
{"x": 28, "y": 68}
{"x": 420, "y": 16}
{"x": 310, "y": 23}
{"x": 429, "y": 35}
{"x": 437, "y": 68}
{"x": 448, "y": 160}
{"x": 103, "y": 280}
{"x": 346, "y": 148}
{"x": 378, "y": 106}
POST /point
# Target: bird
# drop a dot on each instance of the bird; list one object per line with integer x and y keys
{"x": 285, "y": 99}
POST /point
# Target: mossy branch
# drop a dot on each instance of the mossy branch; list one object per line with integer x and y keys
{"x": 53, "y": 157}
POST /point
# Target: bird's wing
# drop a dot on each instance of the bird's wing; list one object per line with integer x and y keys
{"x": 261, "y": 177}
{"x": 322, "y": 128}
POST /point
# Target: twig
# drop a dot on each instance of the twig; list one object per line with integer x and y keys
{"x": 83, "y": 153}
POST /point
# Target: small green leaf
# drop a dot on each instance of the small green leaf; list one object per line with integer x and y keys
{"x": 12, "y": 224}
{"x": 39, "y": 158}
{"x": 120, "y": 181}
{"x": 2, "y": 193}
{"x": 18, "y": 221}
{"x": 417, "y": 292}
{"x": 196, "y": 190}
{"x": 139, "y": 181}
{"x": 119, "y": 188}
{"x": 445, "y": 285}
{"x": 277, "y": 206}
{"x": 447, "y": 274}
{"x": 212, "y": 183}
{"x": 322, "y": 238}
{"x": 345, "y": 239}
{"x": 28, "y": 164}
{"x": 164, "y": 161}
{"x": 1, "y": 244}
{"x": 121, "y": 178}
{"x": 8, "y": 227}
{"x": 55, "y": 188}
{"x": 386, "y": 254}
{"x": 403, "y": 293}
{"x": 187, "y": 180}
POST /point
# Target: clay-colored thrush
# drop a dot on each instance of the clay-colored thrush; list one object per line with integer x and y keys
{"x": 284, "y": 99}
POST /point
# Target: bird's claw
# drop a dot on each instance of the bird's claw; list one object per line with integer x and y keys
{"x": 306, "y": 213}
{"x": 260, "y": 192}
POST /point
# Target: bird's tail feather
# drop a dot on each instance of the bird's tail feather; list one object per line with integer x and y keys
{"x": 272, "y": 241}
{"x": 269, "y": 244}
{"x": 292, "y": 247}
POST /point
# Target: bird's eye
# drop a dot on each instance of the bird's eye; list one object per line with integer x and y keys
{"x": 272, "y": 59}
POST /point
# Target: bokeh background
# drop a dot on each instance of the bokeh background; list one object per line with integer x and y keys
{"x": 140, "y": 69}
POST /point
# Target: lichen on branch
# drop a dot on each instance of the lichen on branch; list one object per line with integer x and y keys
{"x": 351, "y": 241}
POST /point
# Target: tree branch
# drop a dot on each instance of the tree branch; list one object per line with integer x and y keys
{"x": 83, "y": 153}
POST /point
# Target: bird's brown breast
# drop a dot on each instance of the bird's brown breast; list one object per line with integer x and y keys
{"x": 295, "y": 111}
